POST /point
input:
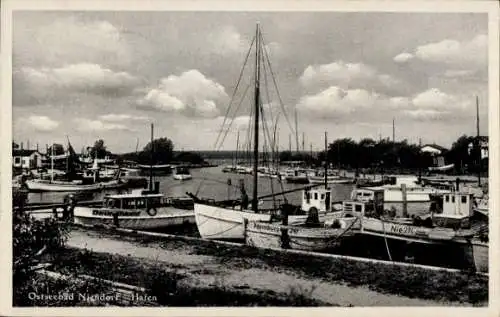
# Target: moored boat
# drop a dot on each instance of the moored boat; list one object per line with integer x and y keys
{"x": 181, "y": 173}
{"x": 40, "y": 185}
{"x": 139, "y": 210}
{"x": 450, "y": 227}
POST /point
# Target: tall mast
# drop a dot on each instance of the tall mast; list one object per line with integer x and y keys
{"x": 296, "y": 131}
{"x": 151, "y": 161}
{"x": 393, "y": 131}
{"x": 326, "y": 161}
{"x": 237, "y": 149}
{"x": 478, "y": 141}
{"x": 52, "y": 163}
{"x": 303, "y": 142}
{"x": 256, "y": 119}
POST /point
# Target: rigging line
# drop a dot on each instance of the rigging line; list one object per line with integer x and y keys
{"x": 267, "y": 88}
{"x": 276, "y": 85}
{"x": 234, "y": 116}
{"x": 236, "y": 87}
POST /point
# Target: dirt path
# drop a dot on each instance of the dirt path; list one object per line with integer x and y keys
{"x": 207, "y": 270}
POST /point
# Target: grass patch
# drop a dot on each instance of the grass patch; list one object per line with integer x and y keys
{"x": 411, "y": 282}
{"x": 165, "y": 285}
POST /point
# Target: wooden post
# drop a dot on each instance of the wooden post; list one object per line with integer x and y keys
{"x": 285, "y": 239}
{"x": 405, "y": 207}
{"x": 116, "y": 223}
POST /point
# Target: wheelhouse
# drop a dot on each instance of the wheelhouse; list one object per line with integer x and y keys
{"x": 133, "y": 201}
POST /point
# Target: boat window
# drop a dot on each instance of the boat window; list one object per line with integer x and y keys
{"x": 447, "y": 198}
{"x": 358, "y": 208}
{"x": 315, "y": 196}
{"x": 464, "y": 199}
{"x": 322, "y": 196}
{"x": 140, "y": 203}
{"x": 452, "y": 199}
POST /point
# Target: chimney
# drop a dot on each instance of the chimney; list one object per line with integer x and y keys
{"x": 21, "y": 145}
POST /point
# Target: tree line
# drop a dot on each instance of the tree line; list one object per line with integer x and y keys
{"x": 385, "y": 154}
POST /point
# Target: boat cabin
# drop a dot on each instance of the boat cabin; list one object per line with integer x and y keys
{"x": 134, "y": 200}
{"x": 181, "y": 170}
{"x": 368, "y": 195}
{"x": 319, "y": 198}
{"x": 457, "y": 210}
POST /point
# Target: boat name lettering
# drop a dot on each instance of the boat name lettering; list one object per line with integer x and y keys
{"x": 401, "y": 229}
{"x": 108, "y": 212}
{"x": 273, "y": 228}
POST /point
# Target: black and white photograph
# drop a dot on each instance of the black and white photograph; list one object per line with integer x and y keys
{"x": 253, "y": 156}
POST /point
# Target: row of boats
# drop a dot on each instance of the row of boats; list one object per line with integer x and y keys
{"x": 292, "y": 175}
{"x": 91, "y": 179}
{"x": 319, "y": 223}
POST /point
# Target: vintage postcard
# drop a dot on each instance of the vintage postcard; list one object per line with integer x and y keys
{"x": 264, "y": 158}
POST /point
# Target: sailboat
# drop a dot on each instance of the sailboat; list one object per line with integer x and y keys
{"x": 223, "y": 220}
{"x": 53, "y": 185}
{"x": 140, "y": 209}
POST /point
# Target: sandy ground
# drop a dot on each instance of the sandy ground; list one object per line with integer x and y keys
{"x": 206, "y": 270}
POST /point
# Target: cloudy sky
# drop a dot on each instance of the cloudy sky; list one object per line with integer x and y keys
{"x": 108, "y": 75}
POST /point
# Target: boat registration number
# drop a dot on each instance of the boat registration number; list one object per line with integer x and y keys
{"x": 107, "y": 212}
{"x": 402, "y": 229}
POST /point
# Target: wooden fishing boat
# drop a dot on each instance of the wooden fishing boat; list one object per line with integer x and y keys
{"x": 39, "y": 185}
{"x": 181, "y": 173}
{"x": 137, "y": 210}
{"x": 449, "y": 227}
{"x": 318, "y": 238}
{"x": 331, "y": 179}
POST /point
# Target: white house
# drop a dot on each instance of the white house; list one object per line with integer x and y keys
{"x": 483, "y": 141}
{"x": 26, "y": 159}
{"x": 436, "y": 151}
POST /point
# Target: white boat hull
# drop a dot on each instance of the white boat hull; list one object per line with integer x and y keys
{"x": 182, "y": 177}
{"x": 68, "y": 187}
{"x": 221, "y": 223}
{"x": 270, "y": 235}
{"x": 166, "y": 217}
{"x": 330, "y": 180}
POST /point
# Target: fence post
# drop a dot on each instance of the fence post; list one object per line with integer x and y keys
{"x": 115, "y": 220}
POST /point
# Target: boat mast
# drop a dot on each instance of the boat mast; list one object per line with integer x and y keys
{"x": 256, "y": 119}
{"x": 478, "y": 142}
{"x": 326, "y": 161}
{"x": 52, "y": 163}
{"x": 296, "y": 131}
{"x": 237, "y": 149}
{"x": 151, "y": 162}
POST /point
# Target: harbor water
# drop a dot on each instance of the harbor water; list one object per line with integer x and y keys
{"x": 213, "y": 183}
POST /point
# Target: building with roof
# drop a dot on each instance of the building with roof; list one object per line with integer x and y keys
{"x": 26, "y": 159}
{"x": 436, "y": 151}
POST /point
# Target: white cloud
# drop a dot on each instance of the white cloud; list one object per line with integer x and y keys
{"x": 337, "y": 101}
{"x": 360, "y": 104}
{"x": 453, "y": 52}
{"x": 41, "y": 123}
{"x": 83, "y": 77}
{"x": 226, "y": 40}
{"x": 340, "y": 72}
{"x": 425, "y": 114}
{"x": 97, "y": 125}
{"x": 122, "y": 117}
{"x": 70, "y": 41}
{"x": 403, "y": 57}
{"x": 191, "y": 93}
{"x": 436, "y": 99}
